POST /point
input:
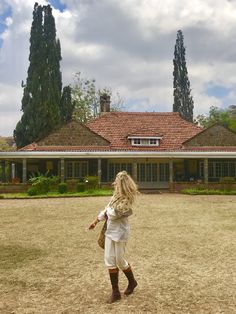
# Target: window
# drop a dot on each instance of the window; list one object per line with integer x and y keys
{"x": 145, "y": 141}
{"x": 136, "y": 141}
{"x": 76, "y": 169}
{"x": 147, "y": 172}
{"x": 153, "y": 141}
{"x": 217, "y": 169}
{"x": 114, "y": 168}
{"x": 164, "y": 172}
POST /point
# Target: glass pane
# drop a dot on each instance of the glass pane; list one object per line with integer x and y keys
{"x": 117, "y": 169}
{"x": 69, "y": 170}
{"x": 225, "y": 169}
{"x": 148, "y": 173}
{"x": 164, "y": 172}
{"x": 84, "y": 169}
{"x": 129, "y": 169}
{"x": 211, "y": 170}
{"x": 76, "y": 173}
{"x": 218, "y": 169}
{"x": 232, "y": 169}
{"x": 154, "y": 172}
{"x": 111, "y": 172}
{"x": 141, "y": 172}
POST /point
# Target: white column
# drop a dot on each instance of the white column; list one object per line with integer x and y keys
{"x": 99, "y": 172}
{"x": 62, "y": 170}
{"x": 24, "y": 176}
{"x": 171, "y": 173}
{"x": 206, "y": 170}
{"x": 135, "y": 172}
{"x": 13, "y": 171}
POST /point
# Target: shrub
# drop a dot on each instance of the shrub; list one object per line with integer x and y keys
{"x": 80, "y": 187}
{"x": 72, "y": 185}
{"x": 32, "y": 191}
{"x": 227, "y": 180}
{"x": 53, "y": 183}
{"x": 91, "y": 182}
{"x": 41, "y": 182}
{"x": 62, "y": 188}
{"x": 208, "y": 192}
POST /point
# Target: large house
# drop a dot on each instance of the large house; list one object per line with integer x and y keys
{"x": 157, "y": 149}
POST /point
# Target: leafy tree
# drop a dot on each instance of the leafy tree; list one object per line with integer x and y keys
{"x": 183, "y": 101}
{"x": 5, "y": 144}
{"x": 226, "y": 117}
{"x": 86, "y": 99}
{"x": 42, "y": 91}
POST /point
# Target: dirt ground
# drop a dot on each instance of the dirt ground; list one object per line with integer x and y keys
{"x": 182, "y": 250}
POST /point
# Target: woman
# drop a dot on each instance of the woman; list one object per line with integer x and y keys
{"x": 117, "y": 212}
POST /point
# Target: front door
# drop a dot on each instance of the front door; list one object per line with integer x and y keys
{"x": 153, "y": 175}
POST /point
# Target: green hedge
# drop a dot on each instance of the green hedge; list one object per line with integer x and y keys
{"x": 91, "y": 182}
{"x": 208, "y": 192}
{"x": 80, "y": 187}
{"x": 62, "y": 188}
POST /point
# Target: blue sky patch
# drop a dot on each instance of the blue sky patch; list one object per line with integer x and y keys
{"x": 57, "y": 5}
{"x": 217, "y": 91}
{"x": 3, "y": 17}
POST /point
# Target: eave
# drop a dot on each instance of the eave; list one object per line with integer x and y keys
{"x": 117, "y": 154}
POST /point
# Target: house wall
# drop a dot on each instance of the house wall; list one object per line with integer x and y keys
{"x": 73, "y": 134}
{"x": 216, "y": 135}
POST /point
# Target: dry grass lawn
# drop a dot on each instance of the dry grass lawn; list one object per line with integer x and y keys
{"x": 182, "y": 249}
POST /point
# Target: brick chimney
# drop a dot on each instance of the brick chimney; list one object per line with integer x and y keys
{"x": 105, "y": 101}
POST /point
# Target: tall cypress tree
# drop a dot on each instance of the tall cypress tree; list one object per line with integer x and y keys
{"x": 183, "y": 101}
{"x": 66, "y": 104}
{"x": 42, "y": 91}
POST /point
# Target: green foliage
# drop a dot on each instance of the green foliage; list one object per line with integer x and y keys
{"x": 227, "y": 180}
{"x": 86, "y": 99}
{"x": 91, "y": 182}
{"x": 183, "y": 101}
{"x": 80, "y": 187}
{"x": 41, "y": 182}
{"x": 66, "y": 105}
{"x": 72, "y": 185}
{"x": 32, "y": 191}
{"x": 97, "y": 192}
{"x": 62, "y": 188}
{"x": 208, "y": 192}
{"x": 226, "y": 117}
{"x": 4, "y": 145}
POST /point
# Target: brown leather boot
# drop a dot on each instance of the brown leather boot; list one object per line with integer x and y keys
{"x": 132, "y": 282}
{"x": 115, "y": 296}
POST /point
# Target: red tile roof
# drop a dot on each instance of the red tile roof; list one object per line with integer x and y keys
{"x": 63, "y": 148}
{"x": 117, "y": 126}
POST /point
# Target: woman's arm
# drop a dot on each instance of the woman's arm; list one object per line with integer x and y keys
{"x": 101, "y": 216}
{"x": 93, "y": 224}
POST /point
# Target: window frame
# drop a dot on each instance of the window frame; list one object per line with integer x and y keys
{"x": 145, "y": 141}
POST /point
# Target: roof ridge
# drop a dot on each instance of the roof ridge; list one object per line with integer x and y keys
{"x": 142, "y": 113}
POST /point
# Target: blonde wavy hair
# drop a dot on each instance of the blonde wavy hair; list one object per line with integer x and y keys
{"x": 125, "y": 187}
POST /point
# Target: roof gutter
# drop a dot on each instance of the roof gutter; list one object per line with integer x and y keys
{"x": 117, "y": 154}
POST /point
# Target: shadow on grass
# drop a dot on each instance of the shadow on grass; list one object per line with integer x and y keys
{"x": 13, "y": 256}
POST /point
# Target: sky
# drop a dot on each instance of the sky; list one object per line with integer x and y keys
{"x": 128, "y": 46}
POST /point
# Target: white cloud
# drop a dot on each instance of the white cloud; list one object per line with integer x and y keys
{"x": 127, "y": 45}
